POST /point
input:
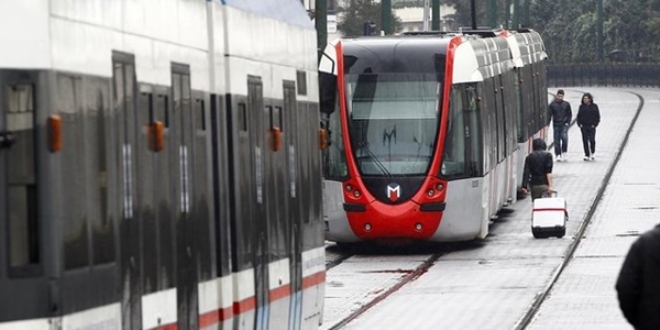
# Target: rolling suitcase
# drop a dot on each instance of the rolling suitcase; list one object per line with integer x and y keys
{"x": 549, "y": 216}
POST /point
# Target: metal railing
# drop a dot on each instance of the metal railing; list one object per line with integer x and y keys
{"x": 625, "y": 75}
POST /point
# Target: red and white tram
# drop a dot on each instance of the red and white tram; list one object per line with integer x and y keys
{"x": 426, "y": 131}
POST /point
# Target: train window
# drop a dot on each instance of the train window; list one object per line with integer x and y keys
{"x": 242, "y": 117}
{"x": 278, "y": 118}
{"x": 290, "y": 106}
{"x": 453, "y": 158}
{"x": 150, "y": 107}
{"x": 472, "y": 116}
{"x": 23, "y": 231}
{"x": 186, "y": 100}
{"x": 301, "y": 80}
{"x": 520, "y": 114}
{"x": 462, "y": 151}
{"x": 102, "y": 225}
{"x": 75, "y": 225}
{"x": 201, "y": 114}
{"x": 269, "y": 111}
{"x": 166, "y": 109}
{"x": 275, "y": 116}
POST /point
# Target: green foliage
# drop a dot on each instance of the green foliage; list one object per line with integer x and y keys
{"x": 463, "y": 15}
{"x": 569, "y": 28}
{"x": 357, "y": 12}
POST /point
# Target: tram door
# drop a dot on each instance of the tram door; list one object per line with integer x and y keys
{"x": 21, "y": 247}
{"x": 295, "y": 229}
{"x": 124, "y": 90}
{"x": 186, "y": 228}
{"x": 259, "y": 216}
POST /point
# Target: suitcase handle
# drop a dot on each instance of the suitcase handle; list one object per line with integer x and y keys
{"x": 553, "y": 193}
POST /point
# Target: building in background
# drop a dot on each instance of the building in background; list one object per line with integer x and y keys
{"x": 412, "y": 16}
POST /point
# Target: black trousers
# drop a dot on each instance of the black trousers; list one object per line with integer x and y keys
{"x": 589, "y": 140}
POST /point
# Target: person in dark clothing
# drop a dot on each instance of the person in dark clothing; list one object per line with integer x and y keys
{"x": 588, "y": 118}
{"x": 538, "y": 170}
{"x": 560, "y": 113}
{"x": 638, "y": 285}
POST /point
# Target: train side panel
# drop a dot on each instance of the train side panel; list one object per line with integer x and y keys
{"x": 135, "y": 116}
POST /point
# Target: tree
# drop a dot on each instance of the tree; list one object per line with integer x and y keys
{"x": 463, "y": 15}
{"x": 353, "y": 16}
{"x": 570, "y": 33}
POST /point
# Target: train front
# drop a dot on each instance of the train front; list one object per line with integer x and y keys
{"x": 382, "y": 101}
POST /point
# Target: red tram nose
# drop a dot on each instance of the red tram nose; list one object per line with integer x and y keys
{"x": 404, "y": 221}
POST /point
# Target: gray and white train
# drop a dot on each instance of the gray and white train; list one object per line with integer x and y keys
{"x": 159, "y": 165}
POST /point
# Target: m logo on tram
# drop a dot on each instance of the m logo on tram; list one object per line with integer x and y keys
{"x": 393, "y": 192}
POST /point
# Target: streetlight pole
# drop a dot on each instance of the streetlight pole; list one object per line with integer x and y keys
{"x": 425, "y": 20}
{"x": 321, "y": 19}
{"x": 386, "y": 6}
{"x": 516, "y": 14}
{"x": 491, "y": 14}
{"x": 435, "y": 15}
{"x": 507, "y": 15}
{"x": 600, "y": 36}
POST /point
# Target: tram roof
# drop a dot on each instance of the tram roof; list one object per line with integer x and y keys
{"x": 424, "y": 54}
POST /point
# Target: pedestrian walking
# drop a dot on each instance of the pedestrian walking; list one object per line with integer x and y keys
{"x": 638, "y": 285}
{"x": 559, "y": 112}
{"x": 537, "y": 175}
{"x": 588, "y": 118}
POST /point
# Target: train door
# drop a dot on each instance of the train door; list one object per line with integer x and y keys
{"x": 186, "y": 246}
{"x": 261, "y": 253}
{"x": 21, "y": 260}
{"x": 294, "y": 215}
{"x": 130, "y": 262}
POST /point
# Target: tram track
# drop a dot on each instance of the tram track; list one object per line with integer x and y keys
{"x": 528, "y": 317}
{"x": 409, "y": 277}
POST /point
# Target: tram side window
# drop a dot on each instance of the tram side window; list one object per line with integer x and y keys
{"x": 528, "y": 89}
{"x": 242, "y": 117}
{"x": 103, "y": 223}
{"x": 520, "y": 113}
{"x": 75, "y": 220}
{"x": 22, "y": 199}
{"x": 200, "y": 114}
{"x": 462, "y": 150}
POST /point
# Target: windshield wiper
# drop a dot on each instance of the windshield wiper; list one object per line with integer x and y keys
{"x": 365, "y": 146}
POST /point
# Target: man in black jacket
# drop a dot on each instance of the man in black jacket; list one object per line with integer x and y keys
{"x": 538, "y": 170}
{"x": 559, "y": 112}
{"x": 638, "y": 285}
{"x": 588, "y": 118}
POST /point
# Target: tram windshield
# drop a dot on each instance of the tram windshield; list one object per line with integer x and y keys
{"x": 393, "y": 121}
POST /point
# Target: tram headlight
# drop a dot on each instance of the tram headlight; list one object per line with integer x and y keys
{"x": 356, "y": 193}
{"x": 349, "y": 188}
{"x": 418, "y": 226}
{"x": 439, "y": 187}
{"x": 367, "y": 226}
{"x": 430, "y": 193}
